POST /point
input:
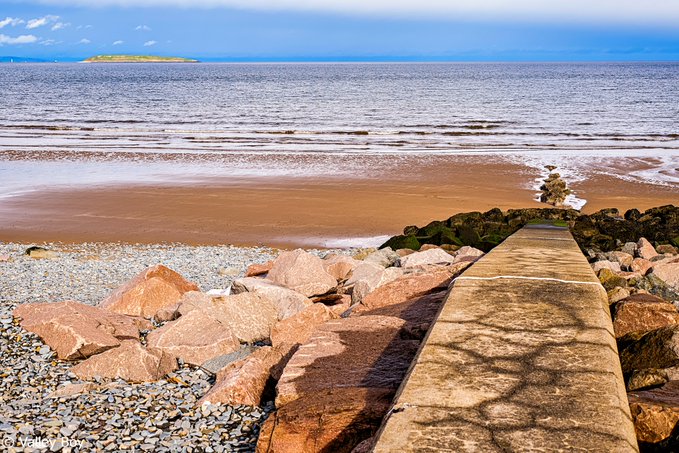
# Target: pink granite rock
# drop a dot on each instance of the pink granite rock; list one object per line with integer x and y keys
{"x": 155, "y": 288}
{"x": 129, "y": 361}
{"x": 195, "y": 338}
{"x": 339, "y": 266}
{"x": 667, "y": 270}
{"x": 76, "y": 331}
{"x": 645, "y": 249}
{"x": 286, "y": 301}
{"x": 301, "y": 272}
{"x": 244, "y": 381}
{"x": 641, "y": 265}
{"x": 291, "y": 332}
{"x": 255, "y": 270}
{"x": 428, "y": 257}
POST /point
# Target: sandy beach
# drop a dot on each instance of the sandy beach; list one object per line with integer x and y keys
{"x": 308, "y": 211}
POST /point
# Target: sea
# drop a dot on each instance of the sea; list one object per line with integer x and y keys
{"x": 79, "y": 124}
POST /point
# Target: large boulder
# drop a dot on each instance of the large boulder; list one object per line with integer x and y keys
{"x": 427, "y": 257}
{"x": 606, "y": 264}
{"x": 408, "y": 287}
{"x": 645, "y": 249}
{"x": 249, "y": 316}
{"x": 339, "y": 266}
{"x": 667, "y": 270}
{"x": 301, "y": 272}
{"x": 468, "y": 253}
{"x": 337, "y": 387}
{"x": 384, "y": 257}
{"x": 642, "y": 313}
{"x": 367, "y": 277}
{"x": 286, "y": 301}
{"x": 622, "y": 258}
{"x": 196, "y": 337}
{"x": 334, "y": 421}
{"x": 287, "y": 334}
{"x": 655, "y": 414}
{"x": 641, "y": 265}
{"x": 363, "y": 351}
{"x": 155, "y": 288}
{"x": 77, "y": 331}
{"x": 129, "y": 361}
{"x": 657, "y": 349}
{"x": 244, "y": 381}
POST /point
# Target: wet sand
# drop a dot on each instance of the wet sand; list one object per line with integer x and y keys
{"x": 310, "y": 211}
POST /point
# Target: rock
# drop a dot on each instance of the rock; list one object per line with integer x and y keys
{"x": 657, "y": 349}
{"x": 641, "y": 265}
{"x": 404, "y": 252}
{"x": 254, "y": 270}
{"x": 655, "y": 414}
{"x": 77, "y": 331}
{"x": 364, "y": 351}
{"x": 468, "y": 254}
{"x": 40, "y": 253}
{"x": 166, "y": 314}
{"x": 622, "y": 258}
{"x": 244, "y": 381}
{"x": 426, "y": 247}
{"x": 629, "y": 248}
{"x": 605, "y": 264}
{"x": 249, "y": 316}
{"x": 195, "y": 337}
{"x": 364, "y": 271}
{"x": 384, "y": 257}
{"x": 286, "y": 301}
{"x": 645, "y": 249}
{"x": 610, "y": 280}
{"x": 646, "y": 378}
{"x": 408, "y": 287}
{"x": 667, "y": 270}
{"x": 427, "y": 257}
{"x": 367, "y": 285}
{"x": 4, "y": 258}
{"x": 286, "y": 335}
{"x": 667, "y": 249}
{"x": 339, "y": 266}
{"x": 68, "y": 391}
{"x": 334, "y": 421}
{"x": 617, "y": 294}
{"x": 215, "y": 364}
{"x": 155, "y": 288}
{"x": 405, "y": 241}
{"x": 192, "y": 300}
{"x": 130, "y": 361}
{"x": 642, "y": 313}
{"x": 301, "y": 272}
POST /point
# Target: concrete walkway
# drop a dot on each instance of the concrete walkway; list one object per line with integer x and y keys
{"x": 521, "y": 358}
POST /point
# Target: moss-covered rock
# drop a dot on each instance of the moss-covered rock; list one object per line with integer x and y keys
{"x": 402, "y": 242}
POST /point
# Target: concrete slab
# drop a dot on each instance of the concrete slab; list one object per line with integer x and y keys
{"x": 522, "y": 357}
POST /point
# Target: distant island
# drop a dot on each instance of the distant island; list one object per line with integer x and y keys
{"x": 137, "y": 59}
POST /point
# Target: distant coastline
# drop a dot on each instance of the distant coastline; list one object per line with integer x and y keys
{"x": 137, "y": 59}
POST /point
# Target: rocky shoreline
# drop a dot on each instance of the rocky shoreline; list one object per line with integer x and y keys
{"x": 241, "y": 349}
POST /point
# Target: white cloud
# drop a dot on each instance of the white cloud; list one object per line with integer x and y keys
{"x": 80, "y": 27}
{"x": 50, "y": 42}
{"x": 60, "y": 25}
{"x": 150, "y": 43}
{"x": 23, "y": 39}
{"x": 117, "y": 43}
{"x": 35, "y": 23}
{"x": 13, "y": 21}
{"x": 84, "y": 41}
{"x": 599, "y": 11}
{"x": 142, "y": 28}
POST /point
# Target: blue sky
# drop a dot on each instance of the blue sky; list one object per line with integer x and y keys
{"x": 333, "y": 30}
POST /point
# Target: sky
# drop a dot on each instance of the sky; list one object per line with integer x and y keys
{"x": 343, "y": 30}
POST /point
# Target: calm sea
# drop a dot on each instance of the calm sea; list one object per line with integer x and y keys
{"x": 127, "y": 112}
